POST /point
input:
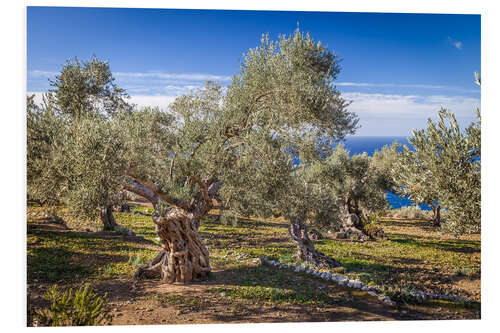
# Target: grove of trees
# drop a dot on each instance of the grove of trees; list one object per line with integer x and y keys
{"x": 235, "y": 150}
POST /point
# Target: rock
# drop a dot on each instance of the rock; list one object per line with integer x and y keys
{"x": 229, "y": 253}
{"x": 341, "y": 235}
{"x": 130, "y": 233}
{"x": 383, "y": 298}
{"x": 256, "y": 260}
{"x": 222, "y": 294}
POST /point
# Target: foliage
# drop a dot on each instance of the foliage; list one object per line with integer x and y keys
{"x": 83, "y": 308}
{"x": 73, "y": 150}
{"x": 445, "y": 164}
{"x": 87, "y": 87}
{"x": 281, "y": 106}
{"x": 350, "y": 184}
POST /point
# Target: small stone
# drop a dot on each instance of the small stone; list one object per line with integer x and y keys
{"x": 358, "y": 284}
{"x": 222, "y": 294}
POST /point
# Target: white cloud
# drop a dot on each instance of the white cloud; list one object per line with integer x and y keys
{"x": 161, "y": 101}
{"x": 153, "y": 75}
{"x": 365, "y": 104}
{"x": 458, "y": 44}
{"x": 38, "y": 73}
{"x": 172, "y": 76}
{"x": 396, "y": 85}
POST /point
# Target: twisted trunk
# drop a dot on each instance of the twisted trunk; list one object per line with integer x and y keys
{"x": 351, "y": 220}
{"x": 306, "y": 250}
{"x": 184, "y": 257}
{"x": 108, "y": 219}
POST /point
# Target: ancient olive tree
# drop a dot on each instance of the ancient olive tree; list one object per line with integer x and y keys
{"x": 358, "y": 188}
{"x": 82, "y": 90}
{"x": 220, "y": 149}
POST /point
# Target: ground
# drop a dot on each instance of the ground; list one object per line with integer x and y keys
{"x": 240, "y": 290}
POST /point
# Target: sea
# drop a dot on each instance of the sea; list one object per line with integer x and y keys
{"x": 359, "y": 144}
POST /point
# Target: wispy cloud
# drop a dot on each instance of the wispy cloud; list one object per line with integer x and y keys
{"x": 403, "y": 106}
{"x": 458, "y": 44}
{"x": 153, "y": 75}
{"x": 172, "y": 76}
{"x": 397, "y": 85}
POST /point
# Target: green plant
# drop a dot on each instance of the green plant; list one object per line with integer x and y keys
{"x": 137, "y": 260}
{"x": 84, "y": 308}
{"x": 410, "y": 212}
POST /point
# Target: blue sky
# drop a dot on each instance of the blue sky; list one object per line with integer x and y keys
{"x": 397, "y": 69}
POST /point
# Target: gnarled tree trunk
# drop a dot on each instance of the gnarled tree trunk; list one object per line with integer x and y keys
{"x": 184, "y": 257}
{"x": 351, "y": 220}
{"x": 107, "y": 218}
{"x": 306, "y": 250}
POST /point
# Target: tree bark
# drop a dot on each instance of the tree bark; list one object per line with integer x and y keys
{"x": 436, "y": 217}
{"x": 107, "y": 218}
{"x": 306, "y": 250}
{"x": 184, "y": 257}
{"x": 351, "y": 220}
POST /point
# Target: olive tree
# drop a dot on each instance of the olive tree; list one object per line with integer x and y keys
{"x": 357, "y": 186}
{"x": 229, "y": 149}
{"x": 82, "y": 90}
{"x": 443, "y": 169}
{"x": 448, "y": 161}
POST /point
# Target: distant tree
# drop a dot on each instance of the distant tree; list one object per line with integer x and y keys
{"x": 357, "y": 186}
{"x": 87, "y": 87}
{"x": 443, "y": 168}
{"x": 234, "y": 147}
{"x": 83, "y": 90}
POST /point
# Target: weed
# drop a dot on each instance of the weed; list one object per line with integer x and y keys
{"x": 84, "y": 308}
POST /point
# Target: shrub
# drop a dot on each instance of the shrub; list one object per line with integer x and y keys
{"x": 84, "y": 308}
{"x": 410, "y": 212}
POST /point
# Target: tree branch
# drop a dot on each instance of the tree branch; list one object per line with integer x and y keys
{"x": 169, "y": 199}
{"x": 140, "y": 189}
